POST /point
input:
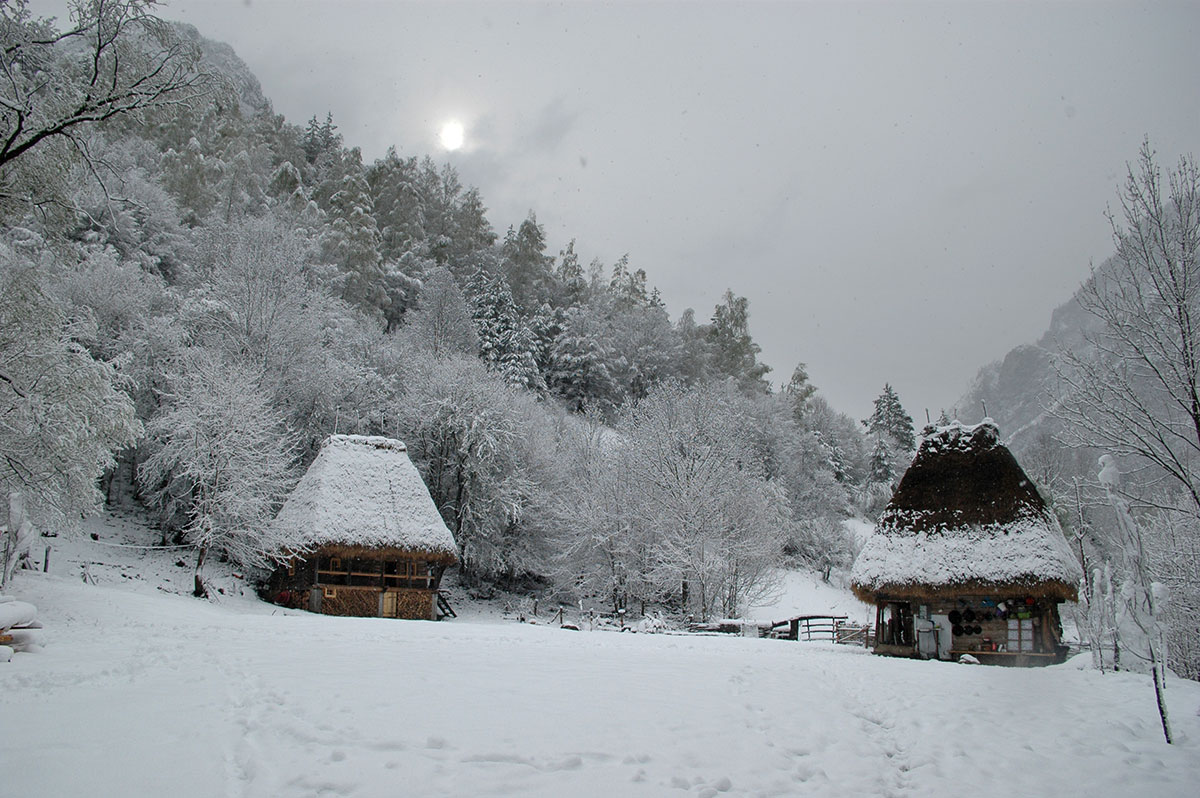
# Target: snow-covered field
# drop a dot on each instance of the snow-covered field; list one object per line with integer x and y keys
{"x": 144, "y": 692}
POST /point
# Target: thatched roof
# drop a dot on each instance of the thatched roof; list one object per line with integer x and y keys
{"x": 364, "y": 493}
{"x": 965, "y": 519}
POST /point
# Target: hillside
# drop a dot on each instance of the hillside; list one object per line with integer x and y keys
{"x": 1021, "y": 387}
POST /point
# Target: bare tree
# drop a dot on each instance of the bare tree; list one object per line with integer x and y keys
{"x": 1135, "y": 389}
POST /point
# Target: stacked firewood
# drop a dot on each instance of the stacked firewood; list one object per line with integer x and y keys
{"x": 20, "y": 629}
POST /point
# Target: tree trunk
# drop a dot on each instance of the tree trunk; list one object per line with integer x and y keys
{"x": 1160, "y": 685}
{"x": 199, "y": 590}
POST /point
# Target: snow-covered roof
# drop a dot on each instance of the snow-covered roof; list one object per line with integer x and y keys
{"x": 965, "y": 517}
{"x": 364, "y": 491}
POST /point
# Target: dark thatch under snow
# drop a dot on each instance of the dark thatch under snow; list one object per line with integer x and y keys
{"x": 965, "y": 519}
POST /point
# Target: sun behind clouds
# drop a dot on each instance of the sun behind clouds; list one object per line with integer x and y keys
{"x": 452, "y": 135}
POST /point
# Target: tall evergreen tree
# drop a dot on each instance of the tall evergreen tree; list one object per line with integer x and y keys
{"x": 320, "y": 137}
{"x": 352, "y": 242}
{"x": 799, "y": 390}
{"x": 734, "y": 352}
{"x": 527, "y": 265}
{"x": 506, "y": 343}
{"x": 891, "y": 423}
{"x": 894, "y": 439}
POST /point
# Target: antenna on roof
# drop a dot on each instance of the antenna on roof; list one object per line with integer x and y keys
{"x": 982, "y": 402}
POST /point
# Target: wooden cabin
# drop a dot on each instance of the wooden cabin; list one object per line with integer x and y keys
{"x": 374, "y": 543}
{"x": 967, "y": 558}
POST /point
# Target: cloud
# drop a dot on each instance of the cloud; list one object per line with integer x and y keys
{"x": 547, "y": 131}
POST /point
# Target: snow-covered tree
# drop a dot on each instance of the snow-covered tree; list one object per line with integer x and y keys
{"x": 717, "y": 522}
{"x": 528, "y": 268}
{"x": 506, "y": 343}
{"x": 352, "y": 242}
{"x": 890, "y": 422}
{"x": 224, "y": 458}
{"x": 581, "y": 359}
{"x": 442, "y": 323}
{"x": 882, "y": 469}
{"x": 320, "y": 138}
{"x": 894, "y": 440}
{"x": 602, "y": 551}
{"x": 734, "y": 352}
{"x": 800, "y": 391}
{"x": 62, "y": 416}
{"x": 464, "y": 427}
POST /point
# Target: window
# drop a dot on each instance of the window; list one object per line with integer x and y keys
{"x": 330, "y": 592}
{"x": 335, "y": 563}
{"x": 1020, "y": 634}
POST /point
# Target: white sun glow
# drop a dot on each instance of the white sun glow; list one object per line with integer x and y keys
{"x": 452, "y": 135}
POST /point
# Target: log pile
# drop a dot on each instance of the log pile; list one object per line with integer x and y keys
{"x": 20, "y": 629}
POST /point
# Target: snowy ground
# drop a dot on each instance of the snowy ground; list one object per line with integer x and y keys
{"x": 141, "y": 691}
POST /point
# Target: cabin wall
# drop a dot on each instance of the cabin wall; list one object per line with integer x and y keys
{"x": 387, "y": 586}
{"x": 988, "y": 625}
{"x": 1023, "y": 631}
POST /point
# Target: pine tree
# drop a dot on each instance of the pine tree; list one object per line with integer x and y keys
{"x": 506, "y": 343}
{"x": 579, "y": 365}
{"x": 882, "y": 471}
{"x": 353, "y": 242}
{"x": 628, "y": 287}
{"x": 527, "y": 264}
{"x": 320, "y": 137}
{"x": 399, "y": 205}
{"x": 571, "y": 280}
{"x": 890, "y": 423}
{"x": 799, "y": 390}
{"x": 735, "y": 354}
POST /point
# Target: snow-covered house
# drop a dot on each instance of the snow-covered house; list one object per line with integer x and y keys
{"x": 967, "y": 557}
{"x": 374, "y": 543}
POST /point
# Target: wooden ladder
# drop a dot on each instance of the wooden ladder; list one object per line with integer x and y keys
{"x": 444, "y": 606}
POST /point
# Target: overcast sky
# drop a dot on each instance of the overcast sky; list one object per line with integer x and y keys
{"x": 903, "y": 191}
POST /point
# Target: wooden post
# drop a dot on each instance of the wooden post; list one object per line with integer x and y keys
{"x": 46, "y": 561}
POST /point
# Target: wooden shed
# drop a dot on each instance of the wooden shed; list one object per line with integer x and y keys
{"x": 967, "y": 558}
{"x": 374, "y": 543}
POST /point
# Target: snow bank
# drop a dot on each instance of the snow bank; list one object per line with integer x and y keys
{"x": 16, "y": 613}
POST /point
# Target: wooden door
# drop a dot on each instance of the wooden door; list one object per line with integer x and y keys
{"x": 390, "y": 604}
